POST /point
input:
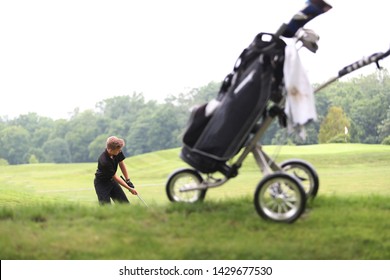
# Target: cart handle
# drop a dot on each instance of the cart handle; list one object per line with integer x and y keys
{"x": 363, "y": 62}
{"x": 354, "y": 66}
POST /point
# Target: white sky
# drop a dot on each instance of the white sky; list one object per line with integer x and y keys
{"x": 59, "y": 55}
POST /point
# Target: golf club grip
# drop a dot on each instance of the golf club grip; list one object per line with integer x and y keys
{"x": 131, "y": 186}
{"x": 363, "y": 62}
{"x": 312, "y": 9}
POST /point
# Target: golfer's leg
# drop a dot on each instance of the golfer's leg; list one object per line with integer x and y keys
{"x": 102, "y": 191}
{"x": 117, "y": 194}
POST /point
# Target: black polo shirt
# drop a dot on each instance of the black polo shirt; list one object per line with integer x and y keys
{"x": 107, "y": 166}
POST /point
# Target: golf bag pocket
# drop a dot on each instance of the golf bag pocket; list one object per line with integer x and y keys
{"x": 201, "y": 162}
{"x": 196, "y": 123}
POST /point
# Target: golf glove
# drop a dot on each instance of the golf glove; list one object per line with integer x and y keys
{"x": 130, "y": 184}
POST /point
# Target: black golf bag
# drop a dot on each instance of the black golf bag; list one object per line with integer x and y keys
{"x": 211, "y": 140}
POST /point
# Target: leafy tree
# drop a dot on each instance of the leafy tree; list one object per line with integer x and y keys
{"x": 282, "y": 137}
{"x": 57, "y": 151}
{"x": 14, "y": 144}
{"x": 40, "y": 136}
{"x": 119, "y": 114}
{"x": 333, "y": 124}
{"x": 60, "y": 129}
{"x": 195, "y": 96}
{"x": 340, "y": 138}
{"x": 138, "y": 137}
{"x": 164, "y": 128}
{"x": 384, "y": 127}
{"x": 38, "y": 127}
{"x": 3, "y": 123}
{"x": 97, "y": 146}
{"x": 386, "y": 141}
{"x": 206, "y": 93}
{"x": 33, "y": 122}
{"x": 370, "y": 109}
{"x": 83, "y": 131}
{"x": 38, "y": 153}
{"x": 33, "y": 159}
{"x": 355, "y": 132}
{"x": 119, "y": 105}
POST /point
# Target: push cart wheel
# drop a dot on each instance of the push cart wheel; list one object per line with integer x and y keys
{"x": 181, "y": 179}
{"x": 306, "y": 174}
{"x": 280, "y": 197}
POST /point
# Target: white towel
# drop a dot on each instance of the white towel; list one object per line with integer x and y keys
{"x": 300, "y": 106}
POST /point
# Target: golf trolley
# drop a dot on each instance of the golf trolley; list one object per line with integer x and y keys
{"x": 230, "y": 127}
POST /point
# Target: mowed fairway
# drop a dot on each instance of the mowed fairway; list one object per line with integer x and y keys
{"x": 55, "y": 206}
{"x": 343, "y": 169}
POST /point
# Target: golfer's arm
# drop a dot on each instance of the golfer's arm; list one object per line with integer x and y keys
{"x": 123, "y": 168}
{"x": 120, "y": 181}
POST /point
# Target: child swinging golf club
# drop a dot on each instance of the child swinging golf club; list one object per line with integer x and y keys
{"x": 107, "y": 182}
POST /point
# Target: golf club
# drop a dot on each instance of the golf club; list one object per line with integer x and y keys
{"x": 133, "y": 187}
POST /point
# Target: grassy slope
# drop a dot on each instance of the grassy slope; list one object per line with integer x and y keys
{"x": 343, "y": 170}
{"x": 49, "y": 211}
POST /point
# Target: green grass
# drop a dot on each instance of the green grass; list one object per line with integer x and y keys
{"x": 49, "y": 211}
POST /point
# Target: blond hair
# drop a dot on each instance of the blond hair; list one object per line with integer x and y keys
{"x": 114, "y": 143}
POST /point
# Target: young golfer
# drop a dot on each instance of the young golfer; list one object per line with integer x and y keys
{"x": 107, "y": 182}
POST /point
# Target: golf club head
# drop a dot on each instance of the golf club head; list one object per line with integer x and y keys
{"x": 308, "y": 38}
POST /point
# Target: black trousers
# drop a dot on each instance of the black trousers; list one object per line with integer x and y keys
{"x": 109, "y": 189}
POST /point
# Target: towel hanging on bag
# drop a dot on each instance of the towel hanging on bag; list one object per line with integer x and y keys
{"x": 300, "y": 105}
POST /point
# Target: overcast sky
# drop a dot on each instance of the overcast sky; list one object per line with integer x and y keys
{"x": 56, "y": 56}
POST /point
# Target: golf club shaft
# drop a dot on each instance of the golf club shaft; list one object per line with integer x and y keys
{"x": 140, "y": 198}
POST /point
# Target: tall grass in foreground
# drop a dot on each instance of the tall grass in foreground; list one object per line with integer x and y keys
{"x": 331, "y": 228}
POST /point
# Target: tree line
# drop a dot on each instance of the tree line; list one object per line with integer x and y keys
{"x": 360, "y": 106}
